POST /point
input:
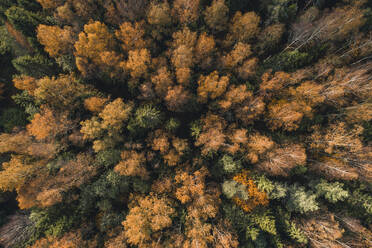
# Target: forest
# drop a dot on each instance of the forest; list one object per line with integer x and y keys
{"x": 185, "y": 123}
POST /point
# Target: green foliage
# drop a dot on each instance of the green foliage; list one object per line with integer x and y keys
{"x": 231, "y": 188}
{"x": 35, "y": 66}
{"x": 12, "y": 117}
{"x": 172, "y": 125}
{"x": 23, "y": 20}
{"x": 145, "y": 117}
{"x": 229, "y": 165}
{"x": 332, "y": 192}
{"x": 301, "y": 201}
{"x": 108, "y": 158}
{"x": 288, "y": 61}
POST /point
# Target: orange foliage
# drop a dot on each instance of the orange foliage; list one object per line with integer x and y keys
{"x": 287, "y": 115}
{"x": 184, "y": 37}
{"x": 17, "y": 172}
{"x": 258, "y": 145}
{"x": 131, "y": 36}
{"x": 72, "y": 239}
{"x": 248, "y": 68}
{"x": 244, "y": 27}
{"x": 95, "y": 104}
{"x": 177, "y": 98}
{"x": 162, "y": 81}
{"x": 48, "y": 124}
{"x": 216, "y": 16}
{"x": 132, "y": 164}
{"x": 274, "y": 83}
{"x": 212, "y": 137}
{"x": 211, "y": 86}
{"x": 46, "y": 190}
{"x": 182, "y": 57}
{"x": 240, "y": 52}
{"x": 147, "y": 215}
{"x": 18, "y": 36}
{"x": 186, "y": 11}
{"x": 204, "y": 48}
{"x": 159, "y": 13}
{"x": 256, "y": 197}
{"x": 280, "y": 161}
{"x": 114, "y": 114}
{"x": 138, "y": 62}
{"x": 183, "y": 75}
{"x": 91, "y": 47}
{"x": 27, "y": 83}
{"x": 60, "y": 92}
{"x": 57, "y": 41}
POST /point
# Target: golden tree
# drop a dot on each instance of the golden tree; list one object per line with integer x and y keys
{"x": 216, "y": 15}
{"x": 114, "y": 114}
{"x": 204, "y": 49}
{"x": 138, "y": 62}
{"x": 177, "y": 98}
{"x": 131, "y": 36}
{"x": 95, "y": 104}
{"x": 244, "y": 27}
{"x": 255, "y": 196}
{"x": 212, "y": 136}
{"x": 147, "y": 215}
{"x": 287, "y": 115}
{"x": 159, "y": 14}
{"x": 257, "y": 145}
{"x": 240, "y": 52}
{"x": 57, "y": 41}
{"x": 94, "y": 42}
{"x": 132, "y": 164}
{"x": 48, "y": 124}
{"x": 280, "y": 161}
{"x": 211, "y": 86}
{"x": 186, "y": 11}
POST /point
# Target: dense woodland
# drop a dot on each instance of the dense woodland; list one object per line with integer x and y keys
{"x": 185, "y": 123}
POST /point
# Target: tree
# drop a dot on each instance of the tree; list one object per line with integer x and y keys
{"x": 159, "y": 14}
{"x": 131, "y": 36}
{"x": 337, "y": 136}
{"x": 50, "y": 4}
{"x": 216, "y": 15}
{"x": 301, "y": 201}
{"x": 119, "y": 11}
{"x": 240, "y": 52}
{"x": 177, "y": 98}
{"x": 93, "y": 42}
{"x": 332, "y": 192}
{"x": 132, "y": 164}
{"x": 95, "y": 104}
{"x": 280, "y": 161}
{"x": 186, "y": 11}
{"x": 114, "y": 114}
{"x": 204, "y": 49}
{"x": 60, "y": 92}
{"x": 323, "y": 230}
{"x": 57, "y": 41}
{"x": 147, "y": 117}
{"x": 162, "y": 80}
{"x": 254, "y": 198}
{"x": 147, "y": 216}
{"x": 211, "y": 86}
{"x": 287, "y": 115}
{"x": 48, "y": 124}
{"x": 212, "y": 136}
{"x": 244, "y": 27}
{"x": 138, "y": 62}
{"x": 257, "y": 145}
{"x": 17, "y": 172}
